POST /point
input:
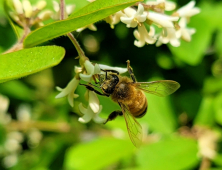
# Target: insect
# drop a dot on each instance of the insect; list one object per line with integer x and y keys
{"x": 129, "y": 94}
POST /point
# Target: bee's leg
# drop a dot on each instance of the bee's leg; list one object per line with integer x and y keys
{"x": 112, "y": 71}
{"x": 130, "y": 70}
{"x": 92, "y": 89}
{"x": 113, "y": 115}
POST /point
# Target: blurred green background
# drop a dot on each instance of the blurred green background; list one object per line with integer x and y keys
{"x": 182, "y": 131}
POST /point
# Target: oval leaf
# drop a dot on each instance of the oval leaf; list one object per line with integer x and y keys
{"x": 170, "y": 154}
{"x": 28, "y": 61}
{"x": 93, "y": 155}
{"x": 89, "y": 14}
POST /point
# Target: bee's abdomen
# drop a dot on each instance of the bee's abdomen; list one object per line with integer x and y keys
{"x": 138, "y": 107}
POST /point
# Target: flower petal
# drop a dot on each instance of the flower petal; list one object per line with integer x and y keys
{"x": 71, "y": 87}
{"x": 97, "y": 69}
{"x": 119, "y": 69}
{"x": 93, "y": 102}
{"x": 85, "y": 77}
{"x": 96, "y": 117}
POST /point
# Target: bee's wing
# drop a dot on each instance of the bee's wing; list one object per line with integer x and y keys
{"x": 160, "y": 88}
{"x": 133, "y": 127}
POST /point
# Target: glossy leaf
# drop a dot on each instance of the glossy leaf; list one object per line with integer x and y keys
{"x": 107, "y": 152}
{"x": 28, "y": 61}
{"x": 205, "y": 115}
{"x": 170, "y": 154}
{"x": 98, "y": 10}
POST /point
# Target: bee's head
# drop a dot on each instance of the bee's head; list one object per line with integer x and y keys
{"x": 108, "y": 83}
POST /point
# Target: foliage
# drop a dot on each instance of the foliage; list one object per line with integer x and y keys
{"x": 178, "y": 130}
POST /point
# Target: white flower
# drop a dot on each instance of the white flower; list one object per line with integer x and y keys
{"x": 27, "y": 8}
{"x": 93, "y": 101}
{"x": 143, "y": 36}
{"x": 133, "y": 17}
{"x": 56, "y": 7}
{"x": 92, "y": 27}
{"x": 18, "y": 6}
{"x": 4, "y": 117}
{"x": 40, "y": 5}
{"x": 162, "y": 19}
{"x": 69, "y": 91}
{"x": 89, "y": 114}
{"x": 169, "y": 5}
{"x": 44, "y": 15}
{"x": 188, "y": 10}
{"x": 24, "y": 113}
{"x": 91, "y": 70}
{"x": 119, "y": 69}
{"x": 168, "y": 35}
{"x": 114, "y": 19}
{"x": 184, "y": 32}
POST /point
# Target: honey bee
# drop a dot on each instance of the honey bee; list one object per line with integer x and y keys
{"x": 129, "y": 94}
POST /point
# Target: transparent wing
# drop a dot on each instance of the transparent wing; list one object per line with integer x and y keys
{"x": 133, "y": 127}
{"x": 160, "y": 88}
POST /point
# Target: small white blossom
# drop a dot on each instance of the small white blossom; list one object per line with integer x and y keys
{"x": 207, "y": 143}
{"x": 24, "y": 113}
{"x": 93, "y": 101}
{"x": 188, "y": 10}
{"x": 114, "y": 19}
{"x": 133, "y": 17}
{"x": 4, "y": 117}
{"x": 91, "y": 70}
{"x": 169, "y": 5}
{"x": 92, "y": 27}
{"x": 44, "y": 15}
{"x": 27, "y": 8}
{"x": 56, "y": 7}
{"x": 162, "y": 19}
{"x": 18, "y": 6}
{"x": 89, "y": 114}
{"x": 184, "y": 32}
{"x": 40, "y": 5}
{"x": 10, "y": 160}
{"x": 69, "y": 91}
{"x": 168, "y": 35}
{"x": 143, "y": 36}
{"x": 119, "y": 69}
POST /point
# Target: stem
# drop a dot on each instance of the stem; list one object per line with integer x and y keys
{"x": 62, "y": 9}
{"x": 76, "y": 44}
{"x": 19, "y": 45}
{"x": 41, "y": 125}
{"x": 70, "y": 35}
{"x": 205, "y": 164}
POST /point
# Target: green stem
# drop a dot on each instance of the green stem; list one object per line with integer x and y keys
{"x": 70, "y": 35}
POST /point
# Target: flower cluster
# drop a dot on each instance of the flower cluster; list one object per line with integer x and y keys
{"x": 150, "y": 17}
{"x": 86, "y": 73}
{"x": 12, "y": 146}
{"x": 26, "y": 15}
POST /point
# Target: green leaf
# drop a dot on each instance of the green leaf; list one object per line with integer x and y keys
{"x": 218, "y": 42}
{"x": 97, "y": 154}
{"x": 170, "y": 154}
{"x": 18, "y": 90}
{"x": 205, "y": 115}
{"x": 218, "y": 108}
{"x": 193, "y": 52}
{"x": 89, "y": 14}
{"x": 28, "y": 61}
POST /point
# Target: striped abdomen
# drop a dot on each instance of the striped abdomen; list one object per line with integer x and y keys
{"x": 138, "y": 104}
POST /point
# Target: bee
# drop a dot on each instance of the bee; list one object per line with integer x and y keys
{"x": 129, "y": 94}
